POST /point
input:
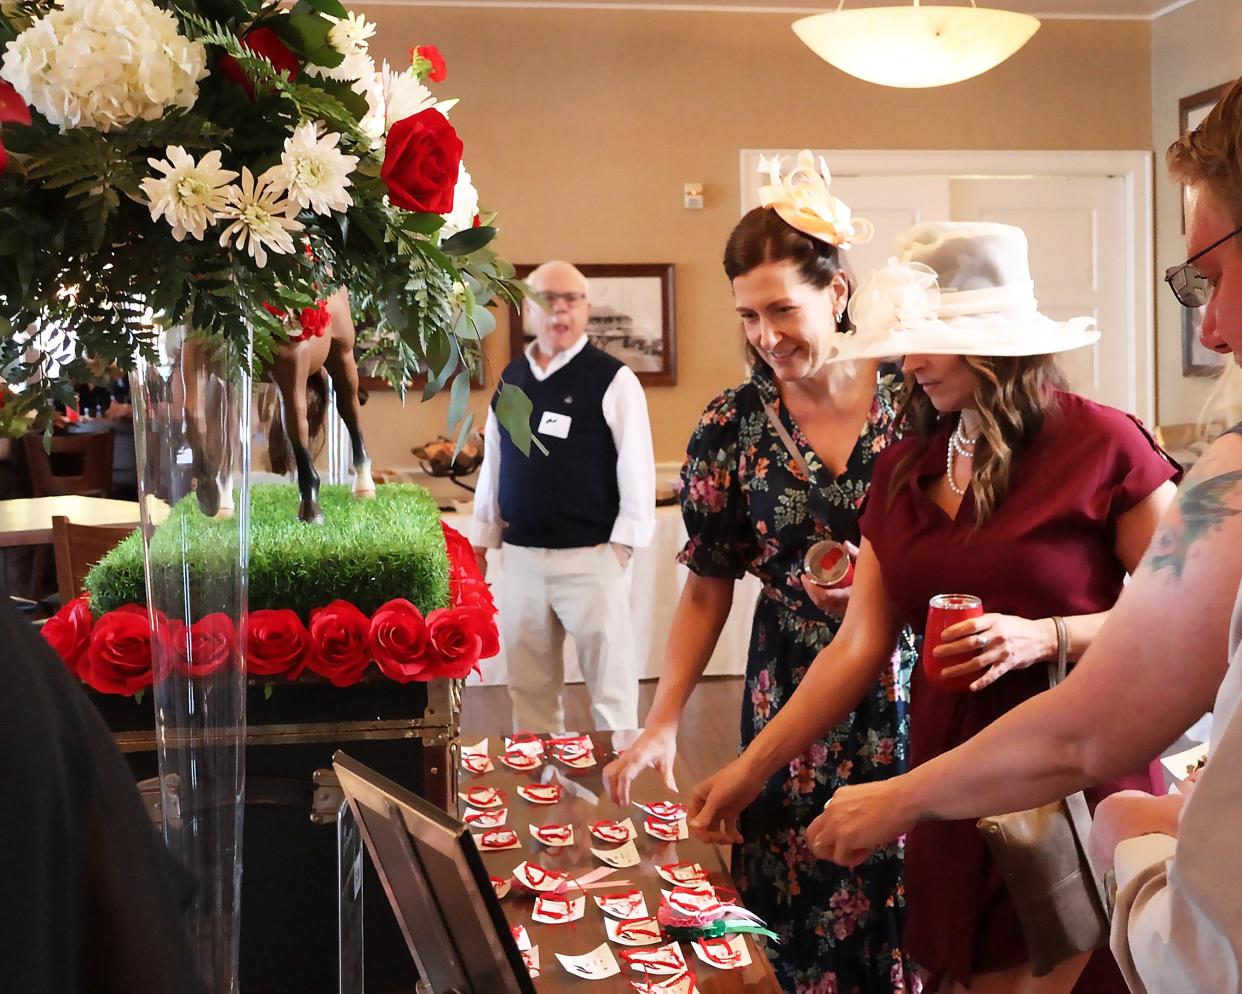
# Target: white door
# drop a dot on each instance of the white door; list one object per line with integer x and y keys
{"x": 1075, "y": 226}
{"x": 1080, "y": 228}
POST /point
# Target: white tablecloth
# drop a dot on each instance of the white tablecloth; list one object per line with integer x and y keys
{"x": 656, "y": 582}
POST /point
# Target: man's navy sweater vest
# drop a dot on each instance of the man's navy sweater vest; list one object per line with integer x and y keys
{"x": 569, "y": 498}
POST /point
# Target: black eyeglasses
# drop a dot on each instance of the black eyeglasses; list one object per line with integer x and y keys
{"x": 1189, "y": 286}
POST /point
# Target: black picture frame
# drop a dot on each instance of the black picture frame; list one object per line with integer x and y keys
{"x": 645, "y": 340}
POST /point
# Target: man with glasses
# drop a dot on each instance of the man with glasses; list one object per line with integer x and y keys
{"x": 567, "y": 518}
{"x": 1171, "y": 650}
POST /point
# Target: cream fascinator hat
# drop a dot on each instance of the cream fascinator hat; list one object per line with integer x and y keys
{"x": 801, "y": 199}
{"x": 957, "y": 288}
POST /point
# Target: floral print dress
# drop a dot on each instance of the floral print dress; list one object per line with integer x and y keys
{"x": 748, "y": 507}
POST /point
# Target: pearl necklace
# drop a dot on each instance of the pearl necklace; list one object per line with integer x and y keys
{"x": 961, "y": 445}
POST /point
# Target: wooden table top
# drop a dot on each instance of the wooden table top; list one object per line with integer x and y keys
{"x": 582, "y": 803}
{"x": 28, "y": 520}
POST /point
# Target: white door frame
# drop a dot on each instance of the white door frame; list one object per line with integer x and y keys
{"x": 1135, "y": 168}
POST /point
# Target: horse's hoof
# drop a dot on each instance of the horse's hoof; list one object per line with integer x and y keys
{"x": 311, "y": 514}
{"x": 365, "y": 494}
{"x": 223, "y": 513}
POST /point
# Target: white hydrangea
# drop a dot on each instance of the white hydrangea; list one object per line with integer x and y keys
{"x": 315, "y": 172}
{"x": 393, "y": 96}
{"x": 465, "y": 205}
{"x": 100, "y": 65}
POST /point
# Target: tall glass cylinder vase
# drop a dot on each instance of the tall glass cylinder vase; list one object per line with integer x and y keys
{"x": 192, "y": 441}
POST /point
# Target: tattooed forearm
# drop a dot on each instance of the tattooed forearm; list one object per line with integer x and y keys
{"x": 1200, "y": 510}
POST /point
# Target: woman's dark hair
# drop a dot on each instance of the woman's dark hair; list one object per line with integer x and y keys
{"x": 762, "y": 236}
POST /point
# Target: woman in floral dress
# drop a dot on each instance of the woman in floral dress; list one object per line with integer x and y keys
{"x": 755, "y": 497}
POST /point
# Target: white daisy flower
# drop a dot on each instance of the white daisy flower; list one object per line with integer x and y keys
{"x": 391, "y": 97}
{"x": 257, "y": 216}
{"x": 189, "y": 195}
{"x": 465, "y": 205}
{"x": 349, "y": 34}
{"x": 316, "y": 171}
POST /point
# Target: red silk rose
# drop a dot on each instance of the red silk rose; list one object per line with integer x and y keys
{"x": 69, "y": 632}
{"x": 118, "y": 659}
{"x": 422, "y": 158}
{"x": 201, "y": 650}
{"x": 264, "y": 42}
{"x": 340, "y": 643}
{"x": 13, "y": 110}
{"x": 314, "y": 320}
{"x": 276, "y": 643}
{"x": 399, "y": 641}
{"x": 456, "y": 635}
{"x": 438, "y": 72}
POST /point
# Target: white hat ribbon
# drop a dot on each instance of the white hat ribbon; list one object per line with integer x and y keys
{"x": 802, "y": 200}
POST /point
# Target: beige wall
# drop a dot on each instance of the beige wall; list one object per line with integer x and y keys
{"x": 1192, "y": 49}
{"x": 581, "y": 127}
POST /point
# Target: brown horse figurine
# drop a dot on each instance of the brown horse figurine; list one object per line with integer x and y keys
{"x": 302, "y": 362}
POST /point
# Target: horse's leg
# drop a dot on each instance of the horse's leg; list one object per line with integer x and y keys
{"x": 291, "y": 379}
{"x": 344, "y": 372}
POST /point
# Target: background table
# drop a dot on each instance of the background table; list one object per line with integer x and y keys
{"x": 28, "y": 520}
{"x": 582, "y": 803}
{"x": 656, "y": 580}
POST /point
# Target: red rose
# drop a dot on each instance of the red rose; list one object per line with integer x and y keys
{"x": 429, "y": 53}
{"x": 399, "y": 641}
{"x": 340, "y": 643}
{"x": 69, "y": 632}
{"x": 13, "y": 110}
{"x": 457, "y": 638}
{"x": 202, "y": 649}
{"x": 314, "y": 320}
{"x": 118, "y": 659}
{"x": 264, "y": 42}
{"x": 422, "y": 158}
{"x": 276, "y": 643}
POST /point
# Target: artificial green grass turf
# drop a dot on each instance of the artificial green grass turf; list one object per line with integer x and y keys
{"x": 366, "y": 552}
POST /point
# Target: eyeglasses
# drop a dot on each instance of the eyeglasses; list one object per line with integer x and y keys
{"x": 550, "y": 298}
{"x": 1190, "y": 287}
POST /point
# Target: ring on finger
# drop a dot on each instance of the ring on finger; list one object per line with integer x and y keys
{"x": 981, "y": 640}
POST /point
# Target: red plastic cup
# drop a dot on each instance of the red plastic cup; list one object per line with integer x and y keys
{"x": 945, "y": 611}
{"x": 829, "y": 565}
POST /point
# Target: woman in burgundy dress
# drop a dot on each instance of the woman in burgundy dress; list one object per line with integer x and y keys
{"x": 1007, "y": 487}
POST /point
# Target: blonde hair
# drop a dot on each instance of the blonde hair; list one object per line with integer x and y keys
{"x": 1012, "y": 397}
{"x": 1211, "y": 155}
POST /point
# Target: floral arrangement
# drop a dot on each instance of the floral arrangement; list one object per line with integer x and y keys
{"x": 189, "y": 161}
{"x": 120, "y": 653}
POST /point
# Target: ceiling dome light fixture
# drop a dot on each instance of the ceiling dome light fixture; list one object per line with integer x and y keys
{"x": 917, "y": 46}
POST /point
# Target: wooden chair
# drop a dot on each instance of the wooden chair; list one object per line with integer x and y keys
{"x": 78, "y": 548}
{"x": 90, "y": 454}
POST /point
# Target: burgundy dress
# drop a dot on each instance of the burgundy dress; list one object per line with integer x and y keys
{"x": 1047, "y": 549}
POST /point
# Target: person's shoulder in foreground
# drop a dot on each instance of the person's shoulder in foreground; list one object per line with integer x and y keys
{"x": 91, "y": 905}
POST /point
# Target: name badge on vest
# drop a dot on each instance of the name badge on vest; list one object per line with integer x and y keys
{"x": 556, "y": 425}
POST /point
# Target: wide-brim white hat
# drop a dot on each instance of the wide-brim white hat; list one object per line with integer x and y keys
{"x": 956, "y": 288}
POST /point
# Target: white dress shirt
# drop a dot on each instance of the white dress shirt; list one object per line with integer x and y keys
{"x": 1177, "y": 927}
{"x": 625, "y": 412}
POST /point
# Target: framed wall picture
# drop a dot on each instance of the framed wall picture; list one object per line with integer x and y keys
{"x": 1196, "y": 360}
{"x": 631, "y": 318}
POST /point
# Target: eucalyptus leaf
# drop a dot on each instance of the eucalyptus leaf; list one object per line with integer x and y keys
{"x": 459, "y": 396}
{"x": 463, "y": 434}
{"x": 513, "y": 410}
{"x": 468, "y": 240}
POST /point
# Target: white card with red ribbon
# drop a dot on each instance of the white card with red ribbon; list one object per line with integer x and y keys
{"x": 660, "y": 961}
{"x": 540, "y": 793}
{"x": 626, "y": 905}
{"x": 492, "y": 818}
{"x": 520, "y": 937}
{"x": 497, "y": 840}
{"x": 521, "y": 762}
{"x": 501, "y": 886}
{"x": 615, "y": 832}
{"x": 474, "y": 759}
{"x": 558, "y": 909}
{"x": 531, "y": 958}
{"x": 725, "y": 952}
{"x": 554, "y": 836}
{"x": 621, "y": 857}
{"x": 666, "y": 831}
{"x": 577, "y": 754}
{"x": 526, "y": 743}
{"x": 536, "y": 878}
{"x": 483, "y": 798}
{"x": 636, "y": 932}
{"x": 598, "y": 964}
{"x": 682, "y": 984}
{"x": 668, "y": 810}
{"x": 681, "y": 873}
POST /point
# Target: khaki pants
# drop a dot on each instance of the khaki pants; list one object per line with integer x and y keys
{"x": 585, "y": 592}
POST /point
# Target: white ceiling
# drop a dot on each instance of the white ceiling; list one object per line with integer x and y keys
{"x": 1086, "y": 9}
